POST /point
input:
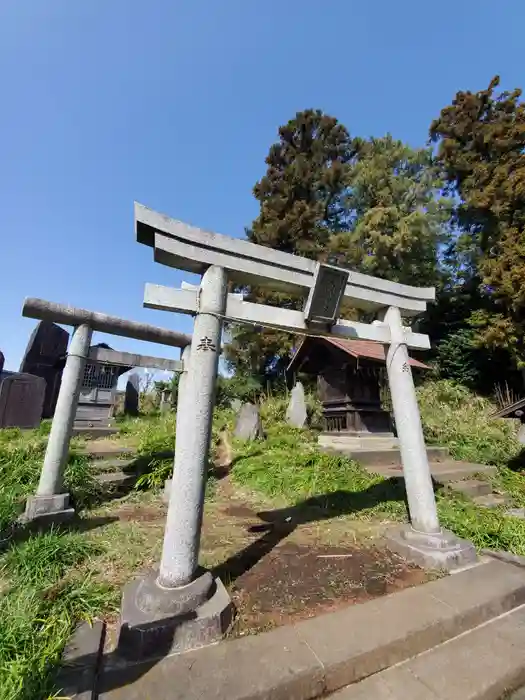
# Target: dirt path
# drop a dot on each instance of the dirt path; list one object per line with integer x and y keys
{"x": 278, "y": 570}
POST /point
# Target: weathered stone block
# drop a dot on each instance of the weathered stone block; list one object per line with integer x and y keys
{"x": 296, "y": 413}
{"x": 53, "y": 509}
{"x": 157, "y": 621}
{"x": 248, "y": 425}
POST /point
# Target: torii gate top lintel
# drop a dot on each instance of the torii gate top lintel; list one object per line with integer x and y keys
{"x": 185, "y": 247}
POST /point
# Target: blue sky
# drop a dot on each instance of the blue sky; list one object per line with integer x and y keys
{"x": 174, "y": 104}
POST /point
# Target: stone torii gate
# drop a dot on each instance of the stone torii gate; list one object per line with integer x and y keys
{"x": 157, "y": 607}
{"x": 50, "y": 502}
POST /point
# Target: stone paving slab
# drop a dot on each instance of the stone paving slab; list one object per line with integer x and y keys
{"x": 77, "y": 674}
{"x": 100, "y": 452}
{"x": 276, "y": 665}
{"x": 442, "y": 472}
{"x": 328, "y": 652}
{"x": 483, "y": 664}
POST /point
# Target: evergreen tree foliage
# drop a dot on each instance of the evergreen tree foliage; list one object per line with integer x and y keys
{"x": 301, "y": 205}
{"x": 397, "y": 217}
{"x": 301, "y": 196}
{"x": 481, "y": 148}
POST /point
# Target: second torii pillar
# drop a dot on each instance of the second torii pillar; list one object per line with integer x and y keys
{"x": 180, "y": 606}
{"x": 423, "y": 541}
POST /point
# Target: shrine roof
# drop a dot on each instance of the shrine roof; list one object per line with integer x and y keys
{"x": 367, "y": 349}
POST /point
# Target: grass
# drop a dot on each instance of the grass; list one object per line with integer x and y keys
{"x": 290, "y": 468}
{"x": 41, "y": 600}
{"x": 39, "y": 608}
{"x": 48, "y": 582}
{"x": 456, "y": 418}
{"x": 20, "y": 465}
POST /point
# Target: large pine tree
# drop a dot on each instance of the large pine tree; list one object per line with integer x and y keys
{"x": 301, "y": 195}
{"x": 301, "y": 199}
{"x": 481, "y": 147}
{"x": 395, "y": 214}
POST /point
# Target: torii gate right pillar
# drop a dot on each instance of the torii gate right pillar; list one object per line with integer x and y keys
{"x": 424, "y": 541}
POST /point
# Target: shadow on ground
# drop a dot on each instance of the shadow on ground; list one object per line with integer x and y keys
{"x": 22, "y": 532}
{"x": 274, "y": 526}
{"x": 278, "y": 524}
{"x": 517, "y": 463}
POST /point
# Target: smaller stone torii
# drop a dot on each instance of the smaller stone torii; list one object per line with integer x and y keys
{"x": 180, "y": 606}
{"x": 50, "y": 502}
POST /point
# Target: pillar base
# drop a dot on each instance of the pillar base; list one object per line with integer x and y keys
{"x": 442, "y": 550}
{"x": 156, "y": 621}
{"x": 52, "y": 509}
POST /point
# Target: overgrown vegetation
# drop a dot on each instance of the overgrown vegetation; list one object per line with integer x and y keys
{"x": 20, "y": 464}
{"x": 458, "y": 419}
{"x": 44, "y": 587}
{"x": 40, "y": 601}
{"x": 289, "y": 467}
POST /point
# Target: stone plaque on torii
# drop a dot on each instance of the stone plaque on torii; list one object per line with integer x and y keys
{"x": 152, "y": 606}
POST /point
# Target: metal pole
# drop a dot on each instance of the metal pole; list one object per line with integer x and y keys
{"x": 180, "y": 550}
{"x": 416, "y": 470}
{"x": 58, "y": 444}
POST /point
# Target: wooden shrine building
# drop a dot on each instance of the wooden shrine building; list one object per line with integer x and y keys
{"x": 349, "y": 384}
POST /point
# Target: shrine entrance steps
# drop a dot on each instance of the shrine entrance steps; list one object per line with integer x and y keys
{"x": 94, "y": 429}
{"x": 464, "y": 477}
{"x": 114, "y": 466}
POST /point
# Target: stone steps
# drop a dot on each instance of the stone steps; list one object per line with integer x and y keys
{"x": 93, "y": 432}
{"x": 491, "y": 500}
{"x": 117, "y": 481}
{"x": 483, "y": 664}
{"x": 442, "y": 471}
{"x": 101, "y": 449}
{"x": 390, "y": 457}
{"x": 471, "y": 487}
{"x": 103, "y": 466}
{"x": 455, "y": 475}
{"x": 321, "y": 655}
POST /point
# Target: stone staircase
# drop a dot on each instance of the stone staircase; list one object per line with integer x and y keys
{"x": 453, "y": 474}
{"x": 112, "y": 465}
{"x": 485, "y": 663}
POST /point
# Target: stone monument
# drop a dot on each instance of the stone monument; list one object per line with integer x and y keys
{"x": 248, "y": 425}
{"x": 131, "y": 398}
{"x": 45, "y": 357}
{"x": 296, "y": 413}
{"x": 165, "y": 404}
{"x": 21, "y": 400}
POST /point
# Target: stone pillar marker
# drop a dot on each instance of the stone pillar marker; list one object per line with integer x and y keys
{"x": 423, "y": 541}
{"x": 181, "y": 393}
{"x": 416, "y": 470}
{"x": 50, "y": 502}
{"x": 182, "y": 607}
{"x": 182, "y": 534}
